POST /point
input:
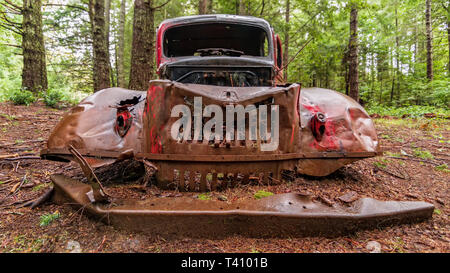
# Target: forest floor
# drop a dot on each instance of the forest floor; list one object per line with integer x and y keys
{"x": 421, "y": 175}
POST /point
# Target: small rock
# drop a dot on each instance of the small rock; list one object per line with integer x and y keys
{"x": 373, "y": 247}
{"x": 222, "y": 198}
{"x": 349, "y": 197}
{"x": 73, "y": 246}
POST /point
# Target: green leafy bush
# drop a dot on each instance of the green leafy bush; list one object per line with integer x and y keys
{"x": 53, "y": 97}
{"x": 204, "y": 196}
{"x": 441, "y": 92}
{"x": 414, "y": 111}
{"x": 22, "y": 97}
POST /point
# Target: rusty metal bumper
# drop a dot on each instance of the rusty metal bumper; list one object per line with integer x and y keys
{"x": 279, "y": 215}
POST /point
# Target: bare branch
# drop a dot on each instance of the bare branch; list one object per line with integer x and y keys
{"x": 262, "y": 8}
{"x": 307, "y": 42}
{"x": 160, "y": 6}
{"x": 10, "y": 9}
{"x": 69, "y": 6}
{"x": 14, "y": 6}
{"x": 11, "y": 28}
{"x": 18, "y": 46}
{"x": 9, "y": 21}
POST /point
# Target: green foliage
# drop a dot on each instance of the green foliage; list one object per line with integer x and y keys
{"x": 441, "y": 92}
{"x": 424, "y": 154}
{"x": 204, "y": 196}
{"x": 53, "y": 97}
{"x": 442, "y": 168}
{"x": 261, "y": 194}
{"x": 414, "y": 111}
{"x": 47, "y": 218}
{"x": 385, "y": 87}
{"x": 22, "y": 97}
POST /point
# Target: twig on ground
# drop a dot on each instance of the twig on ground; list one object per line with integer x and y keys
{"x": 21, "y": 158}
{"x": 8, "y": 156}
{"x": 100, "y": 247}
{"x": 22, "y": 142}
{"x": 40, "y": 200}
{"x": 390, "y": 173}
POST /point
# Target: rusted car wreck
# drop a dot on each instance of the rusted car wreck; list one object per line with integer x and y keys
{"x": 207, "y": 64}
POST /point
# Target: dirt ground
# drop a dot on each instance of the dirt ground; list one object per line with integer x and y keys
{"x": 412, "y": 169}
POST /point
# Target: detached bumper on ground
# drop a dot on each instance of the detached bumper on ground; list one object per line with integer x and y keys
{"x": 279, "y": 215}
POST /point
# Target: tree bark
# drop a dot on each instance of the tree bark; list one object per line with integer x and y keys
{"x": 448, "y": 37}
{"x": 101, "y": 67}
{"x": 142, "y": 64}
{"x": 241, "y": 7}
{"x": 286, "y": 40}
{"x": 345, "y": 65}
{"x": 107, "y": 20}
{"x": 397, "y": 51}
{"x": 107, "y": 31}
{"x": 121, "y": 46}
{"x": 429, "y": 41}
{"x": 353, "y": 54}
{"x": 204, "y": 6}
{"x": 34, "y": 73}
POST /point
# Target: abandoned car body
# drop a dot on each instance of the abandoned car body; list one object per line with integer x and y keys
{"x": 211, "y": 64}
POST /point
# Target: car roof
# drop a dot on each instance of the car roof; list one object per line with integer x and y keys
{"x": 218, "y": 18}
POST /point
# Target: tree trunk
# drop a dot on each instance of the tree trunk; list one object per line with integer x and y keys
{"x": 397, "y": 51}
{"x": 345, "y": 70}
{"x": 204, "y": 6}
{"x": 429, "y": 41}
{"x": 34, "y": 73}
{"x": 372, "y": 76}
{"x": 101, "y": 67}
{"x": 121, "y": 46}
{"x": 416, "y": 45}
{"x": 142, "y": 64}
{"x": 448, "y": 37}
{"x": 107, "y": 30}
{"x": 241, "y": 7}
{"x": 107, "y": 20}
{"x": 353, "y": 55}
{"x": 286, "y": 40}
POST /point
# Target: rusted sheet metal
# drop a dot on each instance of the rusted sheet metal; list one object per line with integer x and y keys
{"x": 279, "y": 215}
{"x": 91, "y": 125}
{"x": 320, "y": 131}
{"x": 97, "y": 192}
{"x": 164, "y": 95}
{"x": 347, "y": 127}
